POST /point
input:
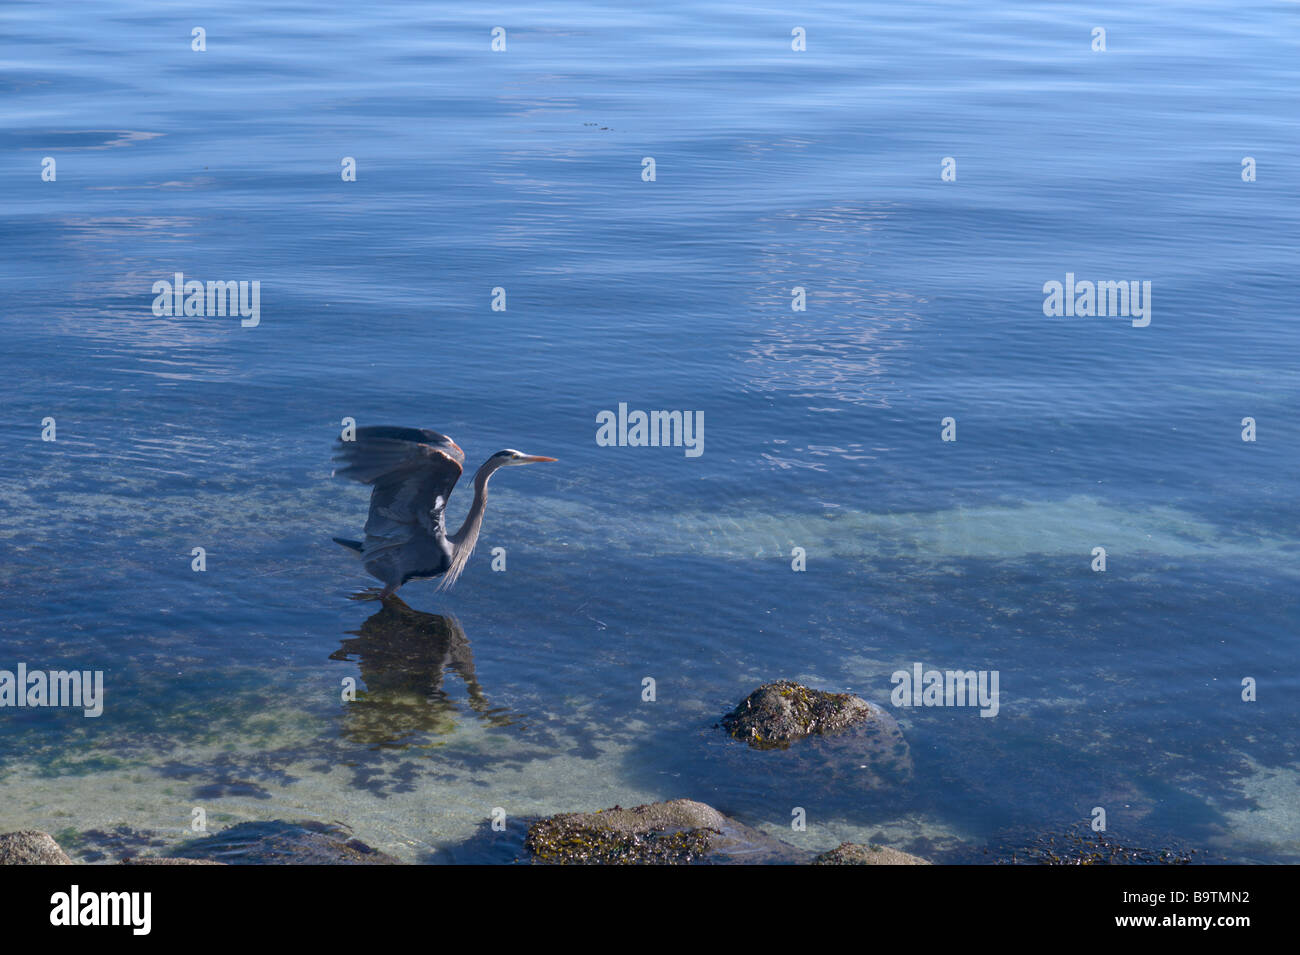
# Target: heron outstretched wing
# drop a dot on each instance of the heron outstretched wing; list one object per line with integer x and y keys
{"x": 412, "y": 471}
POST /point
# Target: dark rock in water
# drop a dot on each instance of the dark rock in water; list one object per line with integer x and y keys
{"x": 31, "y": 847}
{"x": 283, "y": 843}
{"x": 677, "y": 832}
{"x": 850, "y": 853}
{"x": 777, "y": 714}
{"x": 1079, "y": 845}
{"x": 841, "y": 742}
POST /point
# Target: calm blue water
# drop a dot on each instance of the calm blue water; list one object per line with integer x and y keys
{"x": 522, "y": 169}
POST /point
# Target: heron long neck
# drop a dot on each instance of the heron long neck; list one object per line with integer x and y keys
{"x": 463, "y": 541}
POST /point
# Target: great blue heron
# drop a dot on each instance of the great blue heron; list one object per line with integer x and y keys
{"x": 413, "y": 471}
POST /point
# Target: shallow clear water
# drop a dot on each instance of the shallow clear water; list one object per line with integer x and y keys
{"x": 523, "y": 169}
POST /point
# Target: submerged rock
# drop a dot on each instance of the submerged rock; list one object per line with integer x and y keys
{"x": 822, "y": 744}
{"x": 110, "y": 845}
{"x": 777, "y": 714}
{"x": 165, "y": 860}
{"x": 1079, "y": 845}
{"x": 281, "y": 843}
{"x": 850, "y": 853}
{"x": 31, "y": 847}
{"x": 677, "y": 832}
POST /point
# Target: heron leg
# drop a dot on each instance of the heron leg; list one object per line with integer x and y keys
{"x": 394, "y": 602}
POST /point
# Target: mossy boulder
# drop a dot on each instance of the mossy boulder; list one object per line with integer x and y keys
{"x": 677, "y": 832}
{"x": 851, "y": 853}
{"x": 777, "y": 714}
{"x": 823, "y": 744}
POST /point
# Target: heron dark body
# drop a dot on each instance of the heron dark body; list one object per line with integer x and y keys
{"x": 428, "y": 574}
{"x": 412, "y": 472}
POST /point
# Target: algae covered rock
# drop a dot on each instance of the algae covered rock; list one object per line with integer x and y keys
{"x": 31, "y": 847}
{"x": 777, "y": 714}
{"x": 677, "y": 832}
{"x": 806, "y": 743}
{"x": 851, "y": 853}
{"x": 680, "y": 832}
{"x": 1079, "y": 845}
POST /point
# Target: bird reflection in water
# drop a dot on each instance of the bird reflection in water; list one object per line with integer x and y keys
{"x": 404, "y": 656}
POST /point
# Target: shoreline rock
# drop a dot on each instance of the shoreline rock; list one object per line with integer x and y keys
{"x": 167, "y": 860}
{"x": 31, "y": 847}
{"x": 853, "y": 853}
{"x": 275, "y": 842}
{"x": 676, "y": 832}
{"x": 679, "y": 832}
{"x": 279, "y": 842}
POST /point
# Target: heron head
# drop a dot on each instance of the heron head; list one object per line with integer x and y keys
{"x": 510, "y": 458}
